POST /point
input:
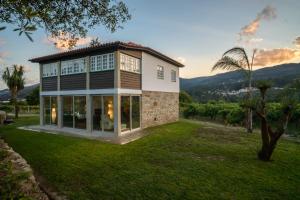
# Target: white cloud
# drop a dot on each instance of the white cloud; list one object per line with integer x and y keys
{"x": 268, "y": 57}
{"x": 62, "y": 42}
{"x": 268, "y": 13}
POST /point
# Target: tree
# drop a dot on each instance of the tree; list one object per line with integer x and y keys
{"x": 268, "y": 135}
{"x": 184, "y": 97}
{"x": 62, "y": 17}
{"x": 34, "y": 97}
{"x": 237, "y": 59}
{"x": 15, "y": 82}
{"x": 95, "y": 42}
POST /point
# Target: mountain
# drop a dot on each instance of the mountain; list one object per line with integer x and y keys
{"x": 231, "y": 85}
{"x": 5, "y": 94}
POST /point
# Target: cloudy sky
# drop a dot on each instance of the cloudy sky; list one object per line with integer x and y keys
{"x": 194, "y": 32}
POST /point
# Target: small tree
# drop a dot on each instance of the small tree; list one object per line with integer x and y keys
{"x": 95, "y": 42}
{"x": 268, "y": 135}
{"x": 237, "y": 59}
{"x": 34, "y": 97}
{"x": 15, "y": 82}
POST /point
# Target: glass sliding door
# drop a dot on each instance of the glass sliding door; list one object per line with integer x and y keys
{"x": 80, "y": 112}
{"x": 125, "y": 113}
{"x": 97, "y": 113}
{"x": 108, "y": 115}
{"x": 68, "y": 111}
{"x": 135, "y": 112}
{"x": 130, "y": 112}
{"x": 53, "y": 113}
{"x": 46, "y": 110}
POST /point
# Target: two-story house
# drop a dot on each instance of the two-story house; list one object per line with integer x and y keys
{"x": 108, "y": 90}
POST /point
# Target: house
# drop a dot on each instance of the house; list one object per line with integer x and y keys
{"x": 108, "y": 90}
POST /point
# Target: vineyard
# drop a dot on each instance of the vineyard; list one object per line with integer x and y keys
{"x": 233, "y": 114}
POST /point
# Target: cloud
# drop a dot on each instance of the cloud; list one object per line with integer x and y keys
{"x": 180, "y": 59}
{"x": 63, "y": 41}
{"x": 297, "y": 41}
{"x": 253, "y": 40}
{"x": 268, "y": 13}
{"x": 269, "y": 57}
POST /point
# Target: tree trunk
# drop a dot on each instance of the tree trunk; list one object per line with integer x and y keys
{"x": 270, "y": 138}
{"x": 249, "y": 112}
{"x": 15, "y": 102}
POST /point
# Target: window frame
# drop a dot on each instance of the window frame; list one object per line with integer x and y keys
{"x": 130, "y": 64}
{"x": 173, "y": 75}
{"x": 49, "y": 70}
{"x": 68, "y": 66}
{"x": 98, "y": 61}
{"x": 160, "y": 72}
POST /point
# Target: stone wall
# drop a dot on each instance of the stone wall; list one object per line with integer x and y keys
{"x": 159, "y": 108}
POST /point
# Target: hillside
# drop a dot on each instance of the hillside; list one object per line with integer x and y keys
{"x": 5, "y": 94}
{"x": 229, "y": 85}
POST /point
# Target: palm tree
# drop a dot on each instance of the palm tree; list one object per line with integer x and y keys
{"x": 237, "y": 59}
{"x": 15, "y": 82}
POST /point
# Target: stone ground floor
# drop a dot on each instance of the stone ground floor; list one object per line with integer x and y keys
{"x": 107, "y": 115}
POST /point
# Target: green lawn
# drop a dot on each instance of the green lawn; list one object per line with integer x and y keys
{"x": 182, "y": 160}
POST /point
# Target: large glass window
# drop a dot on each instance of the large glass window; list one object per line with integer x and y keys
{"x": 130, "y": 112}
{"x": 108, "y": 117}
{"x": 97, "y": 113}
{"x": 46, "y": 110}
{"x": 68, "y": 111}
{"x": 135, "y": 109}
{"x": 80, "y": 112}
{"x": 53, "y": 110}
{"x": 50, "y": 110}
{"x": 125, "y": 113}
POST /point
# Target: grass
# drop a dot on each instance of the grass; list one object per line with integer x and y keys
{"x": 182, "y": 160}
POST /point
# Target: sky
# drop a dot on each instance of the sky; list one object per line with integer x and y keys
{"x": 194, "y": 32}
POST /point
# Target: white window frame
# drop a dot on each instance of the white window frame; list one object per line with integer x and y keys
{"x": 160, "y": 72}
{"x": 98, "y": 61}
{"x": 75, "y": 66}
{"x": 130, "y": 63}
{"x": 50, "y": 69}
{"x": 173, "y": 75}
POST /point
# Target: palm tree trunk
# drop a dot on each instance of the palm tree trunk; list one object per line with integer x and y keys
{"x": 15, "y": 102}
{"x": 250, "y": 114}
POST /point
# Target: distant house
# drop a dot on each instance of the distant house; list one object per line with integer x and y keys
{"x": 108, "y": 90}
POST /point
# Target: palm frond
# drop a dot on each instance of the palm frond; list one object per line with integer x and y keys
{"x": 227, "y": 63}
{"x": 240, "y": 54}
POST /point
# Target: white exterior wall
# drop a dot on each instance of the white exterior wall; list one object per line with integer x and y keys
{"x": 150, "y": 82}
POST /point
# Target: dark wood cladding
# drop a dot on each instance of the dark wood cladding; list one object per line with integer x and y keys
{"x": 130, "y": 80}
{"x": 73, "y": 82}
{"x": 102, "y": 80}
{"x": 136, "y": 54}
{"x": 49, "y": 83}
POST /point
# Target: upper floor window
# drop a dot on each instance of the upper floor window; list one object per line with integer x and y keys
{"x": 73, "y": 66}
{"x": 102, "y": 62}
{"x": 130, "y": 64}
{"x": 160, "y": 72}
{"x": 173, "y": 75}
{"x": 49, "y": 69}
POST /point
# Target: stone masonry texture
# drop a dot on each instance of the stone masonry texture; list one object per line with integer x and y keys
{"x": 159, "y": 108}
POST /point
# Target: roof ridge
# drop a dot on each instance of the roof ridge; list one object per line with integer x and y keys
{"x": 115, "y": 44}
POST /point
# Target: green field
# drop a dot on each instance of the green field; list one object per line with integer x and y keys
{"x": 183, "y": 160}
